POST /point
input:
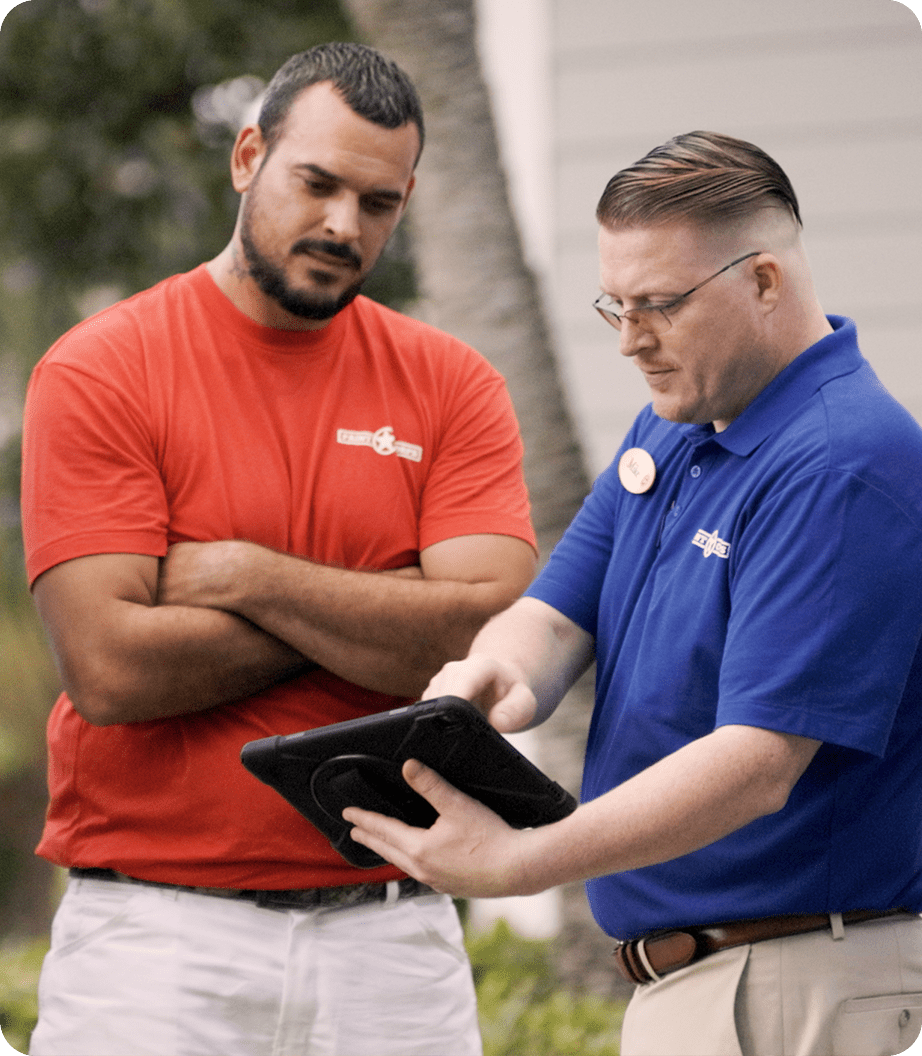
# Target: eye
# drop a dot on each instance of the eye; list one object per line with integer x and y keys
{"x": 379, "y": 206}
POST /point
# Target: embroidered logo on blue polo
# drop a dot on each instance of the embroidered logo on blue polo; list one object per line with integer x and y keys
{"x": 381, "y": 440}
{"x": 711, "y": 543}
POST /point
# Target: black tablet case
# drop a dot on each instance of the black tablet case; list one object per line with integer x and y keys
{"x": 357, "y": 763}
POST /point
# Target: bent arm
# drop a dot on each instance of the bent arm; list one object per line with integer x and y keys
{"x": 389, "y": 633}
{"x": 692, "y": 798}
{"x": 520, "y": 665}
{"x": 122, "y": 658}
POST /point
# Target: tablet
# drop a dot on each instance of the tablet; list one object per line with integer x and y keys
{"x": 357, "y": 763}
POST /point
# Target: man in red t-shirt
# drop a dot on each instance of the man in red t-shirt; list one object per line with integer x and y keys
{"x": 255, "y": 502}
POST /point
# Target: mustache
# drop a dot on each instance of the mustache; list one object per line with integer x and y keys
{"x": 331, "y": 249}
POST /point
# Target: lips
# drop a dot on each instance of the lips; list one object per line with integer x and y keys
{"x": 655, "y": 374}
{"x": 328, "y": 261}
{"x": 330, "y": 254}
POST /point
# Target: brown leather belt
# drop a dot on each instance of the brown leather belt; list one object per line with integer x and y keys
{"x": 649, "y": 958}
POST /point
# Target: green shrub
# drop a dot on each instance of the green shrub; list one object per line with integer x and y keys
{"x": 19, "y": 968}
{"x": 523, "y": 1010}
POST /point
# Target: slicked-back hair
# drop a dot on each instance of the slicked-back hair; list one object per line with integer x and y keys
{"x": 373, "y": 87}
{"x": 702, "y": 178}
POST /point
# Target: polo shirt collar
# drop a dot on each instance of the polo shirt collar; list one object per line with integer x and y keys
{"x": 832, "y": 356}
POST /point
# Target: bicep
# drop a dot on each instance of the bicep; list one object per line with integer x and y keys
{"x": 503, "y": 562}
{"x": 78, "y": 598}
{"x": 769, "y": 760}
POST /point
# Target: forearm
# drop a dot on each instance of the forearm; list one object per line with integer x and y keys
{"x": 174, "y": 661}
{"x": 384, "y": 632}
{"x": 689, "y": 800}
{"x": 520, "y": 665}
{"x": 124, "y": 659}
{"x": 550, "y": 651}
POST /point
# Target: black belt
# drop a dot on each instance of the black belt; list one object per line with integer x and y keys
{"x": 649, "y": 958}
{"x": 299, "y": 898}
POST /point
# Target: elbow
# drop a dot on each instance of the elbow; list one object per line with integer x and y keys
{"x": 97, "y": 697}
{"x": 771, "y": 796}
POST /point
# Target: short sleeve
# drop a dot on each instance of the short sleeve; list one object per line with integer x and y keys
{"x": 476, "y": 485}
{"x": 90, "y": 482}
{"x": 824, "y": 622}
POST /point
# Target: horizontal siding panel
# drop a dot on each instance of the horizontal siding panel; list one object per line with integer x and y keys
{"x": 595, "y": 105}
{"x": 656, "y": 26}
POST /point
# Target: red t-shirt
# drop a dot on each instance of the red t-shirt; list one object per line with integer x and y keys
{"x": 173, "y": 416}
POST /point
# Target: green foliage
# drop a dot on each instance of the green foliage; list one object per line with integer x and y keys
{"x": 113, "y": 152}
{"x": 19, "y": 969}
{"x": 117, "y": 121}
{"x": 523, "y": 1011}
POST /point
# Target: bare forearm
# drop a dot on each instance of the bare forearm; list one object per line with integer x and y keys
{"x": 688, "y": 800}
{"x": 698, "y": 795}
{"x": 186, "y": 660}
{"x": 385, "y": 632}
{"x": 520, "y": 665}
{"x": 123, "y": 659}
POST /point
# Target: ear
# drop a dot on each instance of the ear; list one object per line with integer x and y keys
{"x": 769, "y": 277}
{"x": 246, "y": 157}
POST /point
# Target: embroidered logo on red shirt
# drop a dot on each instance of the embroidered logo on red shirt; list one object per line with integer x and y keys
{"x": 381, "y": 440}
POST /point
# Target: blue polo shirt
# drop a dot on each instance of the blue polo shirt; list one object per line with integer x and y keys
{"x": 771, "y": 577}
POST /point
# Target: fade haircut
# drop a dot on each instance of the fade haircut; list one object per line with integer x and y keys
{"x": 374, "y": 88}
{"x": 703, "y": 178}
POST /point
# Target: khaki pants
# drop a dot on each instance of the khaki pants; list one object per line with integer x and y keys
{"x": 855, "y": 993}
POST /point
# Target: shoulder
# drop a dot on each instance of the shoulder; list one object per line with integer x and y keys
{"x": 859, "y": 429}
{"x": 414, "y": 338}
{"x": 121, "y": 326}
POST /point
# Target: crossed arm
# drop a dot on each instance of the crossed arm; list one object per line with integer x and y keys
{"x": 520, "y": 666}
{"x": 136, "y": 638}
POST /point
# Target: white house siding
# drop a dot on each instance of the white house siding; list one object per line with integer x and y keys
{"x": 831, "y": 88}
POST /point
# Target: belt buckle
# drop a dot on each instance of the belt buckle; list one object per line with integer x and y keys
{"x": 301, "y": 899}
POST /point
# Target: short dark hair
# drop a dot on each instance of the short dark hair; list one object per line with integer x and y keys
{"x": 699, "y": 177}
{"x": 373, "y": 86}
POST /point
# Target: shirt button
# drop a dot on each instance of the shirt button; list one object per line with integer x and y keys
{"x": 696, "y": 471}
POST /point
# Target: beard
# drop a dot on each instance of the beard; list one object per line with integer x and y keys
{"x": 271, "y": 279}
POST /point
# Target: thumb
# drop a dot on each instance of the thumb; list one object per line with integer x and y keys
{"x": 515, "y": 711}
{"x": 428, "y": 784}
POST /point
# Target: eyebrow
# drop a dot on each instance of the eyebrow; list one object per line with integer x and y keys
{"x": 379, "y": 192}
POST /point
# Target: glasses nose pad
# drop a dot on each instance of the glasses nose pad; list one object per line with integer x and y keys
{"x": 636, "y": 328}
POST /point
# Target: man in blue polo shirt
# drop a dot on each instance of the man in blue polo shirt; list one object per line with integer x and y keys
{"x": 747, "y": 577}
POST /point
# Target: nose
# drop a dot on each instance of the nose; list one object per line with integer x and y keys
{"x": 341, "y": 219}
{"x": 634, "y": 338}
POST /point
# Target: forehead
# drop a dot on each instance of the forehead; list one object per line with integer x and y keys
{"x": 322, "y": 129}
{"x": 640, "y": 261}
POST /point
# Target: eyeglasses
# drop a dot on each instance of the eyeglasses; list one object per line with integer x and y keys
{"x": 653, "y": 318}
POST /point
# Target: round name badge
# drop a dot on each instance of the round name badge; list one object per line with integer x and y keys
{"x": 637, "y": 470}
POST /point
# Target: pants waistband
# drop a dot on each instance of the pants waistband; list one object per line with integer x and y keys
{"x": 649, "y": 958}
{"x": 300, "y": 898}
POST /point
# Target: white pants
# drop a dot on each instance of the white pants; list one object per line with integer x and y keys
{"x": 136, "y": 970}
{"x": 858, "y": 994}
